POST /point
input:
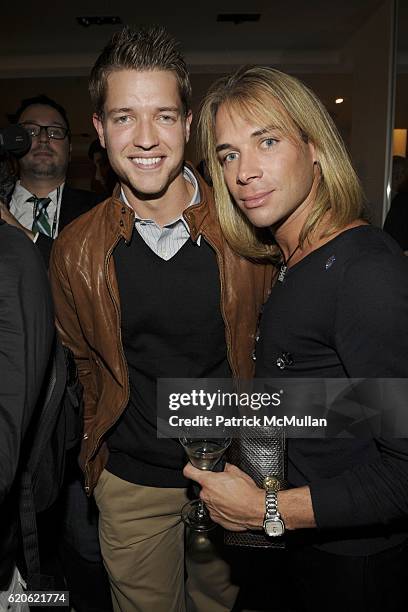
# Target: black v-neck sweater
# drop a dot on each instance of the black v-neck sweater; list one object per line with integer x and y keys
{"x": 172, "y": 326}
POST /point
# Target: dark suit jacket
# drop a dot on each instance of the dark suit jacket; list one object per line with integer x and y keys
{"x": 26, "y": 335}
{"x": 74, "y": 202}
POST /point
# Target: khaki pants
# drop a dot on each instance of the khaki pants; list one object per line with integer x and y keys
{"x": 142, "y": 543}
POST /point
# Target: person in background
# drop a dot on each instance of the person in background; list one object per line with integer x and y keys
{"x": 8, "y": 177}
{"x": 42, "y": 204}
{"x": 338, "y": 309}
{"x": 396, "y": 222}
{"x": 104, "y": 179}
{"x": 160, "y": 294}
{"x": 26, "y": 340}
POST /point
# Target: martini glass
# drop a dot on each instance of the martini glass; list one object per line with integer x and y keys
{"x": 204, "y": 454}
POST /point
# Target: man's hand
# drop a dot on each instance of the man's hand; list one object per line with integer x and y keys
{"x": 6, "y": 215}
{"x": 233, "y": 499}
{"x": 236, "y": 503}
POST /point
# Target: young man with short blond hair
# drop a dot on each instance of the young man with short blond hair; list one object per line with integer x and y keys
{"x": 142, "y": 287}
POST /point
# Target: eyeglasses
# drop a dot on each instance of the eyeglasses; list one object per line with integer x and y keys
{"x": 53, "y": 131}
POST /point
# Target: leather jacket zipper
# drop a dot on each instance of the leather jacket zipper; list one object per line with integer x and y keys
{"x": 117, "y": 309}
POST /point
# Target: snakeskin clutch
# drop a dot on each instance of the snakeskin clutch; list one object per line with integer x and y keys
{"x": 262, "y": 456}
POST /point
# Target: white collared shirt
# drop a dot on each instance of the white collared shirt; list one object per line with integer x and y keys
{"x": 166, "y": 241}
{"x": 23, "y": 211}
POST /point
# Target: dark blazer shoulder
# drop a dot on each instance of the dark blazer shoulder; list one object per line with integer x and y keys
{"x": 76, "y": 202}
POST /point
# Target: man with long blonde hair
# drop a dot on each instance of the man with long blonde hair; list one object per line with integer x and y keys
{"x": 285, "y": 189}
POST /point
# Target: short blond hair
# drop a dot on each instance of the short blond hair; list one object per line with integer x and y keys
{"x": 269, "y": 97}
{"x": 146, "y": 49}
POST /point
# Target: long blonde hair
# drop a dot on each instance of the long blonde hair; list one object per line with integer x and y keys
{"x": 269, "y": 97}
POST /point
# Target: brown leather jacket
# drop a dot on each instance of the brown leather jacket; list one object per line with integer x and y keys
{"x": 88, "y": 312}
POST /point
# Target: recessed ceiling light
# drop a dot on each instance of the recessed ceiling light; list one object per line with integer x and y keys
{"x": 339, "y": 100}
{"x": 238, "y": 18}
{"x": 97, "y": 20}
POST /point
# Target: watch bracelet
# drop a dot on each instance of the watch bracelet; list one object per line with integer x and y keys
{"x": 271, "y": 503}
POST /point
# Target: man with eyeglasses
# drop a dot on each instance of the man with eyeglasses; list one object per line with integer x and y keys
{"x": 42, "y": 203}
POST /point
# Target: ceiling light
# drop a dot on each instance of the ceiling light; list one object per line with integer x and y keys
{"x": 97, "y": 20}
{"x": 238, "y": 18}
{"x": 339, "y": 100}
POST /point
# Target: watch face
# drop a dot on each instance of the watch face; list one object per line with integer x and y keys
{"x": 274, "y": 527}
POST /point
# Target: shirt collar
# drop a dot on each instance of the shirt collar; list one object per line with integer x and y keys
{"x": 189, "y": 176}
{"x": 21, "y": 194}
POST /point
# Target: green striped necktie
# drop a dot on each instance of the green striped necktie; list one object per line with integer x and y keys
{"x": 41, "y": 222}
